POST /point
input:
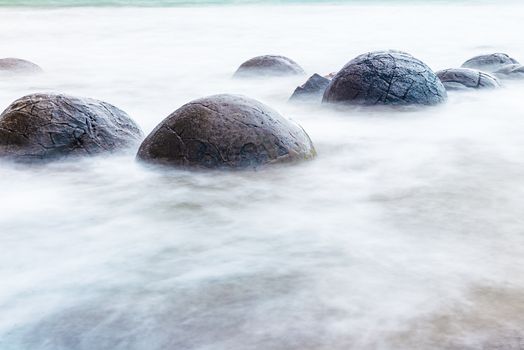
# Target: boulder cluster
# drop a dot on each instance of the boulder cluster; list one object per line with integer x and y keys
{"x": 231, "y": 131}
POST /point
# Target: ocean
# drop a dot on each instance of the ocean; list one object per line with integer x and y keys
{"x": 406, "y": 232}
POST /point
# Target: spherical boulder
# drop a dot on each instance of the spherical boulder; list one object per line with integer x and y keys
{"x": 18, "y": 66}
{"x": 490, "y": 62}
{"x": 510, "y": 71}
{"x": 312, "y": 90}
{"x": 43, "y": 127}
{"x": 225, "y": 131}
{"x": 268, "y": 65}
{"x": 466, "y": 78}
{"x": 385, "y": 78}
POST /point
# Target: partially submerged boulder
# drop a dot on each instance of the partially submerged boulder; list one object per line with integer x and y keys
{"x": 312, "y": 90}
{"x": 49, "y": 126}
{"x": 269, "y": 65}
{"x": 466, "y": 78}
{"x": 385, "y": 78}
{"x": 490, "y": 62}
{"x": 18, "y": 66}
{"x": 510, "y": 71}
{"x": 225, "y": 131}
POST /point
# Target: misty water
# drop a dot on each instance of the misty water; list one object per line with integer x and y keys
{"x": 406, "y": 232}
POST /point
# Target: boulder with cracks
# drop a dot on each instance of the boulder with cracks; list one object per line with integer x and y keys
{"x": 43, "y": 127}
{"x": 268, "y": 65}
{"x": 490, "y": 62}
{"x": 225, "y": 131}
{"x": 385, "y": 78}
{"x": 466, "y": 78}
{"x": 510, "y": 71}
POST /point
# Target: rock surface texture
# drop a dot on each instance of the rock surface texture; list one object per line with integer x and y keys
{"x": 269, "y": 65}
{"x": 50, "y": 126}
{"x": 466, "y": 78}
{"x": 17, "y": 65}
{"x": 385, "y": 78}
{"x": 510, "y": 71}
{"x": 225, "y": 131}
{"x": 312, "y": 90}
{"x": 490, "y": 62}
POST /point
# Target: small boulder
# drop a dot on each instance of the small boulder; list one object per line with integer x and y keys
{"x": 18, "y": 66}
{"x": 49, "y": 126}
{"x": 311, "y": 90}
{"x": 510, "y": 71}
{"x": 385, "y": 78}
{"x": 466, "y": 78}
{"x": 269, "y": 65}
{"x": 490, "y": 62}
{"x": 225, "y": 131}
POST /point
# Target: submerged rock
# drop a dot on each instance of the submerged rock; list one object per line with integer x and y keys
{"x": 312, "y": 89}
{"x": 269, "y": 65}
{"x": 466, "y": 78}
{"x": 385, "y": 78}
{"x": 490, "y": 62}
{"x": 17, "y": 65}
{"x": 225, "y": 131}
{"x": 50, "y": 126}
{"x": 510, "y": 71}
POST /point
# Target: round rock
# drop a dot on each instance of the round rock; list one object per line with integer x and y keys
{"x": 490, "y": 62}
{"x": 385, "y": 78}
{"x": 225, "y": 131}
{"x": 466, "y": 78}
{"x": 312, "y": 90}
{"x": 510, "y": 71}
{"x": 17, "y": 65}
{"x": 50, "y": 126}
{"x": 269, "y": 65}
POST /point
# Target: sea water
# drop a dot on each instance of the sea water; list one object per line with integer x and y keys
{"x": 406, "y": 232}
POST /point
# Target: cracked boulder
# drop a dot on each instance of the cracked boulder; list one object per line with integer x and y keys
{"x": 490, "y": 62}
{"x": 385, "y": 78}
{"x": 17, "y": 65}
{"x": 42, "y": 127}
{"x": 269, "y": 65}
{"x": 510, "y": 71}
{"x": 466, "y": 78}
{"x": 312, "y": 90}
{"x": 225, "y": 131}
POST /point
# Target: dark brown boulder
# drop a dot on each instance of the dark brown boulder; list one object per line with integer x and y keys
{"x": 225, "y": 131}
{"x": 490, "y": 62}
{"x": 385, "y": 78}
{"x": 312, "y": 90}
{"x": 268, "y": 65}
{"x": 17, "y": 65}
{"x": 50, "y": 126}
{"x": 466, "y": 78}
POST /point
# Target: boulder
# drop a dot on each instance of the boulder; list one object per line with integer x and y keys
{"x": 385, "y": 78}
{"x": 225, "y": 131}
{"x": 466, "y": 78}
{"x": 49, "y": 126}
{"x": 311, "y": 90}
{"x": 269, "y": 65}
{"x": 17, "y": 65}
{"x": 490, "y": 62}
{"x": 510, "y": 71}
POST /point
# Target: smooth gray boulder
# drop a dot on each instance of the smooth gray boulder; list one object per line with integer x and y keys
{"x": 466, "y": 78}
{"x": 225, "y": 131}
{"x": 18, "y": 66}
{"x": 490, "y": 62}
{"x": 268, "y": 65}
{"x": 312, "y": 90}
{"x": 42, "y": 127}
{"x": 510, "y": 71}
{"x": 385, "y": 78}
